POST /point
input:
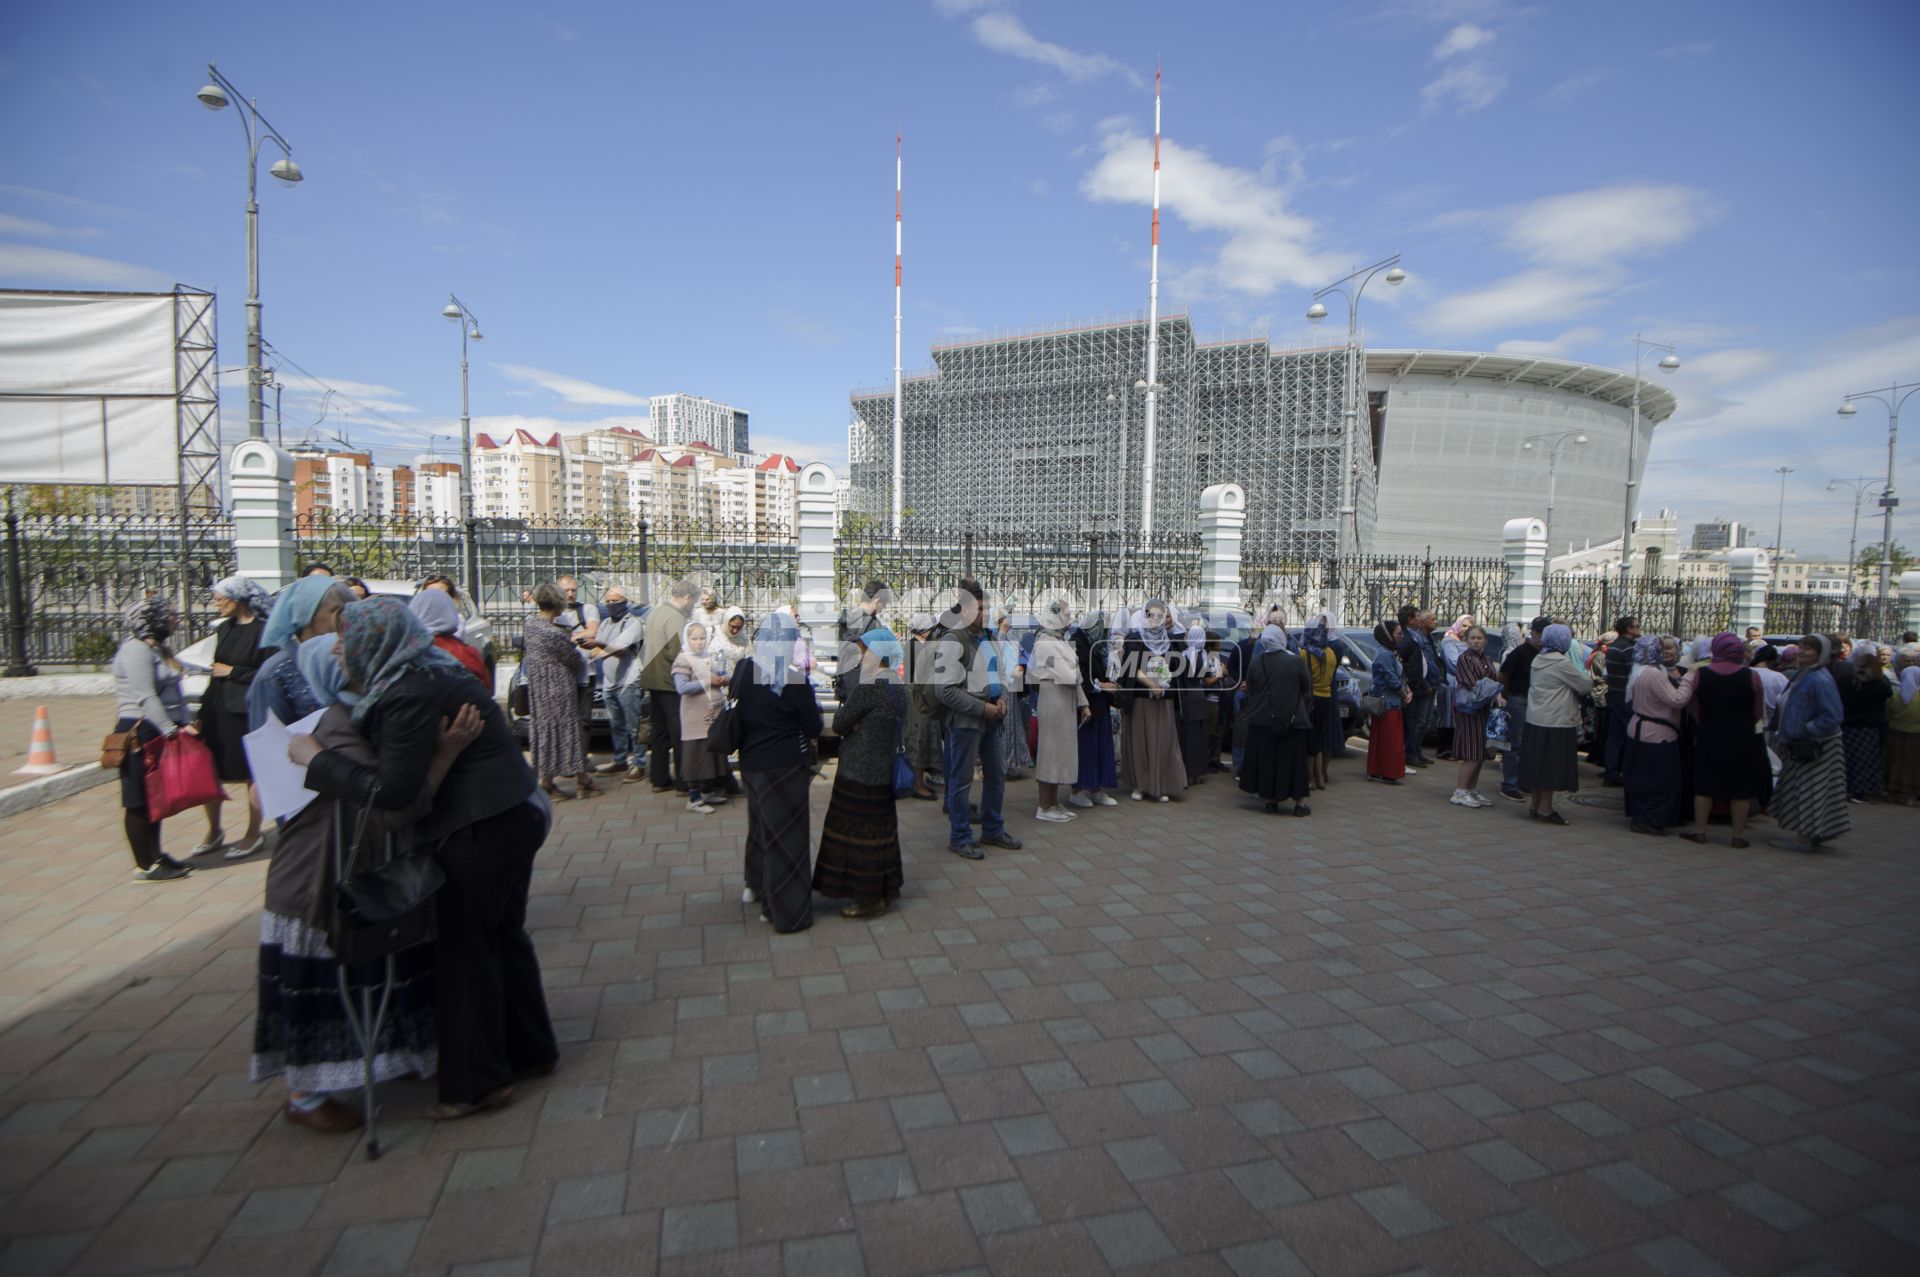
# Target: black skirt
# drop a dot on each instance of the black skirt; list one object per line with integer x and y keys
{"x": 1275, "y": 765}
{"x": 1551, "y": 759}
{"x": 859, "y": 844}
{"x": 1654, "y": 793}
{"x": 222, "y": 731}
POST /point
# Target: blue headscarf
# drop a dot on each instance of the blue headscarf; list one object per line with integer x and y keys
{"x": 319, "y": 665}
{"x": 293, "y": 609}
{"x": 437, "y": 611}
{"x": 773, "y": 650}
{"x": 882, "y": 641}
{"x": 1557, "y": 638}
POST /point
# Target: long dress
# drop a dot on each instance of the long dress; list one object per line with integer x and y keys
{"x": 1152, "y": 742}
{"x": 924, "y": 737}
{"x": 1903, "y": 749}
{"x": 860, "y": 841}
{"x": 1470, "y": 730}
{"x": 552, "y": 666}
{"x": 1013, "y": 734}
{"x": 1730, "y": 758}
{"x": 1278, "y": 727}
{"x": 223, "y": 709}
{"x": 1865, "y": 702}
{"x": 1057, "y": 674}
{"x": 1098, "y": 769}
{"x": 1655, "y": 793}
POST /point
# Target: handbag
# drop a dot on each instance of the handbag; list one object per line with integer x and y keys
{"x": 726, "y": 733}
{"x": 180, "y": 776}
{"x": 1803, "y": 750}
{"x": 1373, "y": 706}
{"x": 381, "y": 909}
{"x": 902, "y": 776}
{"x": 116, "y": 746}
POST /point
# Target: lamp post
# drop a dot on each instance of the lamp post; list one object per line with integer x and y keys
{"x": 1668, "y": 363}
{"x": 1559, "y": 441}
{"x": 1859, "y": 487}
{"x": 215, "y": 95}
{"x": 458, "y": 312}
{"x": 1891, "y": 396}
{"x": 1350, "y": 288}
{"x": 1780, "y": 516}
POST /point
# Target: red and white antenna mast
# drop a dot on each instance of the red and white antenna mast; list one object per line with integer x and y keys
{"x": 1153, "y": 327}
{"x": 899, "y": 470}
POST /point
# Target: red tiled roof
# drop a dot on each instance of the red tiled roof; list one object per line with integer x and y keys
{"x": 684, "y": 461}
{"x": 484, "y": 441}
{"x": 525, "y": 437}
{"x": 779, "y": 461}
{"x": 647, "y": 455}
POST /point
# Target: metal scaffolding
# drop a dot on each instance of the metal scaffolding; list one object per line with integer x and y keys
{"x": 1041, "y": 433}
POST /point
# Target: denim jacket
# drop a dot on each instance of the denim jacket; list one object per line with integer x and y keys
{"x": 1811, "y": 710}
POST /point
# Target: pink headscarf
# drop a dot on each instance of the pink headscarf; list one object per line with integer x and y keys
{"x": 1460, "y": 626}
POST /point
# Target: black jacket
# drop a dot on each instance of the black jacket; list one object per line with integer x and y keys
{"x": 775, "y": 723}
{"x": 1619, "y": 670}
{"x": 490, "y": 776}
{"x": 1093, "y": 671}
{"x": 1279, "y": 692}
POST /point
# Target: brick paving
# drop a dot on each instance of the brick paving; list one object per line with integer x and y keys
{"x": 78, "y": 724}
{"x": 1396, "y": 1036}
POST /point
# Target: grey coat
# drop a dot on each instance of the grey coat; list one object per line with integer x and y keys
{"x": 1055, "y": 670}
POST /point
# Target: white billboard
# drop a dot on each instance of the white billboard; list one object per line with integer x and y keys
{"x": 90, "y": 387}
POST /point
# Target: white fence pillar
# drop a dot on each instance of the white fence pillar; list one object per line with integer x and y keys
{"x": 1751, "y": 573}
{"x": 819, "y": 604}
{"x": 1909, "y": 601}
{"x": 1525, "y": 542}
{"x": 1223, "y": 519}
{"x": 263, "y": 513}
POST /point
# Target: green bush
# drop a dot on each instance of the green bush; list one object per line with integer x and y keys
{"x": 94, "y": 647}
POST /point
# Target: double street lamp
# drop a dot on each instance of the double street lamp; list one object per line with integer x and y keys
{"x": 1860, "y": 487}
{"x": 1892, "y": 397}
{"x": 216, "y": 95}
{"x": 1554, "y": 443}
{"x": 458, "y": 312}
{"x": 1668, "y": 363}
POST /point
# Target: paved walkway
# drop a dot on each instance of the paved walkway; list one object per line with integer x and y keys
{"x": 1396, "y": 1036}
{"x": 78, "y": 724}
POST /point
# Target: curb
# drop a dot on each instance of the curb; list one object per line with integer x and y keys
{"x": 48, "y": 789}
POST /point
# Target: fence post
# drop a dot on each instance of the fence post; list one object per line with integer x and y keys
{"x": 17, "y": 664}
{"x": 1093, "y": 565}
{"x": 1751, "y": 572}
{"x": 1426, "y": 580}
{"x": 819, "y": 609}
{"x": 966, "y": 547}
{"x": 1525, "y": 544}
{"x": 646, "y": 579}
{"x": 1909, "y": 601}
{"x": 263, "y": 513}
{"x": 1223, "y": 518}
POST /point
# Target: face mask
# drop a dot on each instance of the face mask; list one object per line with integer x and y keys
{"x": 615, "y": 611}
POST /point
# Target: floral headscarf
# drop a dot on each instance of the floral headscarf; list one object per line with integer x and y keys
{"x": 151, "y": 617}
{"x": 246, "y": 590}
{"x": 384, "y": 642}
{"x": 1315, "y": 640}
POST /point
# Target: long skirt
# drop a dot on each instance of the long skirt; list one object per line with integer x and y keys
{"x": 1193, "y": 747}
{"x": 1153, "y": 747}
{"x": 1903, "y": 764}
{"x": 859, "y": 844}
{"x": 1325, "y": 736}
{"x": 778, "y": 816}
{"x": 1811, "y": 798}
{"x": 1866, "y": 777}
{"x": 697, "y": 762}
{"x": 1654, "y": 796}
{"x": 221, "y": 730}
{"x": 924, "y": 740}
{"x": 1013, "y": 741}
{"x": 1275, "y": 766}
{"x": 1551, "y": 759}
{"x": 1470, "y": 737}
{"x": 301, "y": 1031}
{"x": 1387, "y": 746}
{"x": 1095, "y": 737}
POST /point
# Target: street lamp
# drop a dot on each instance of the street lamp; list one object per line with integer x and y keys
{"x": 1559, "y": 441}
{"x": 216, "y": 95}
{"x": 1350, "y": 393}
{"x": 1669, "y": 363}
{"x": 1859, "y": 487}
{"x": 1891, "y": 396}
{"x": 1780, "y": 515}
{"x": 458, "y": 312}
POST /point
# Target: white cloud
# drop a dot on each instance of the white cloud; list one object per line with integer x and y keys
{"x": 31, "y": 265}
{"x": 1551, "y": 348}
{"x": 1579, "y": 242}
{"x": 830, "y": 447}
{"x": 507, "y": 423}
{"x": 1004, "y": 33}
{"x": 1038, "y": 187}
{"x": 1462, "y": 39}
{"x": 1470, "y": 86}
{"x": 1266, "y": 244}
{"x": 1726, "y": 367}
{"x": 1575, "y": 86}
{"x": 370, "y": 395}
{"x": 11, "y": 225}
{"x": 954, "y": 8}
{"x": 571, "y": 389}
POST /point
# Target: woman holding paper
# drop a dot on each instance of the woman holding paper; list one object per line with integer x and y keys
{"x": 150, "y": 704}
{"x": 301, "y": 1032}
{"x": 238, "y": 655}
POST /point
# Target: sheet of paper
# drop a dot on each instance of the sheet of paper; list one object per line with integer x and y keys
{"x": 282, "y": 784}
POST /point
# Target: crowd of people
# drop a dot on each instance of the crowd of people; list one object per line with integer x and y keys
{"x": 411, "y": 748}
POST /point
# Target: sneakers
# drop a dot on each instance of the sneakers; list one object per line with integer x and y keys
{"x": 967, "y": 850}
{"x": 1461, "y": 798}
{"x": 1105, "y": 800}
{"x": 1137, "y": 795}
{"x": 608, "y": 769}
{"x": 1053, "y": 814}
{"x": 1079, "y": 800}
{"x": 696, "y": 804}
{"x": 636, "y": 772}
{"x": 1479, "y": 799}
{"x": 1003, "y": 839}
{"x": 1411, "y": 770}
{"x": 1512, "y": 795}
{"x": 165, "y": 869}
{"x": 748, "y": 896}
{"x": 714, "y": 800}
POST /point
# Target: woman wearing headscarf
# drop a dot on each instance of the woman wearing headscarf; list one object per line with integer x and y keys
{"x": 1470, "y": 667}
{"x": 1864, "y": 698}
{"x": 1903, "y": 729}
{"x": 148, "y": 702}
{"x": 779, "y": 721}
{"x": 1056, "y": 671}
{"x": 729, "y": 643}
{"x": 441, "y": 615}
{"x": 1279, "y": 720}
{"x": 1095, "y": 772}
{"x": 486, "y": 824}
{"x": 1449, "y": 647}
{"x": 1651, "y": 762}
{"x": 1190, "y": 703}
{"x": 924, "y": 736}
{"x": 306, "y": 609}
{"x": 550, "y": 667}
{"x": 698, "y": 684}
{"x": 1013, "y": 732}
{"x": 1386, "y": 731}
{"x": 1316, "y": 649}
{"x": 1153, "y": 730}
{"x": 1728, "y": 706}
{"x": 1551, "y": 760}
{"x": 859, "y": 856}
{"x": 237, "y": 657}
{"x": 1810, "y": 800}
{"x": 301, "y": 1032}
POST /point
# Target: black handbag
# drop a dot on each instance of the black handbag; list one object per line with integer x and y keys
{"x": 727, "y": 732}
{"x": 384, "y": 907}
{"x": 1803, "y": 751}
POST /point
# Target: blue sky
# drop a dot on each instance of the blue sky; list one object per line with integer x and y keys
{"x": 639, "y": 199}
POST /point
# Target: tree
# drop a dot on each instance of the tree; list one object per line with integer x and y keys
{"x": 1869, "y": 560}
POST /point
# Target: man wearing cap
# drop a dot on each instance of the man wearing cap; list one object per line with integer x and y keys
{"x": 1516, "y": 675}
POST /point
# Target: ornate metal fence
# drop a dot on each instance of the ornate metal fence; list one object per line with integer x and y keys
{"x": 1592, "y": 603}
{"x": 1826, "y": 614}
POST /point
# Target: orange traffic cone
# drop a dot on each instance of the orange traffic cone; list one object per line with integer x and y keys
{"x": 40, "y": 759}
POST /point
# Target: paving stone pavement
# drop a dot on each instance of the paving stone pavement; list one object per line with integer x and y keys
{"x": 1396, "y": 1036}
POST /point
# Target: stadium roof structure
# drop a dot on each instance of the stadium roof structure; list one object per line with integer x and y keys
{"x": 1595, "y": 381}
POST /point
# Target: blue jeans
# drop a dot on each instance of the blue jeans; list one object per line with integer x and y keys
{"x": 1516, "y": 729}
{"x": 967, "y": 745}
{"x": 623, "y": 720}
